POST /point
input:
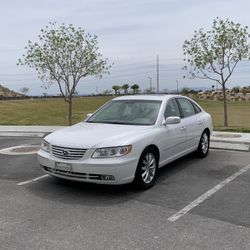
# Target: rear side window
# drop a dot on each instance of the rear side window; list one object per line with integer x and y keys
{"x": 172, "y": 109}
{"x": 196, "y": 108}
{"x": 187, "y": 107}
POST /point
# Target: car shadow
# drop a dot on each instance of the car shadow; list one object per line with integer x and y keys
{"x": 176, "y": 166}
{"x": 88, "y": 194}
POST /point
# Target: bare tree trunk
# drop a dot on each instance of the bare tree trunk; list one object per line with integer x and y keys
{"x": 70, "y": 112}
{"x": 225, "y": 105}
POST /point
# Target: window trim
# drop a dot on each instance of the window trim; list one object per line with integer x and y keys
{"x": 195, "y": 107}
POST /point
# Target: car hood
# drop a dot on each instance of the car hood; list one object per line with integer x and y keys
{"x": 92, "y": 135}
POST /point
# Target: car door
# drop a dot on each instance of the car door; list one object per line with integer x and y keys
{"x": 173, "y": 138}
{"x": 191, "y": 122}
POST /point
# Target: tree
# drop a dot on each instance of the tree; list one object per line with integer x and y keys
{"x": 135, "y": 88}
{"x": 236, "y": 89}
{"x": 185, "y": 91}
{"x": 64, "y": 55}
{"x": 125, "y": 88}
{"x": 214, "y": 54}
{"x": 116, "y": 88}
{"x": 24, "y": 90}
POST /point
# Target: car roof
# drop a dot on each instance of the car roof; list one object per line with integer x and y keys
{"x": 156, "y": 97}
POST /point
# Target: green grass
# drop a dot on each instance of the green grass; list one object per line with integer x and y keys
{"x": 238, "y": 115}
{"x": 47, "y": 111}
{"x": 54, "y": 112}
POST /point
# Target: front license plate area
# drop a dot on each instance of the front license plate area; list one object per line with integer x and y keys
{"x": 65, "y": 167}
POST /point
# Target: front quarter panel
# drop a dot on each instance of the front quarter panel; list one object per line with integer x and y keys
{"x": 145, "y": 139}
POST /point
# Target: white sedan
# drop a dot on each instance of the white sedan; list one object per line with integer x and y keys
{"x": 127, "y": 140}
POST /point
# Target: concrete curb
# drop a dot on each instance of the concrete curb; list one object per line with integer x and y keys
{"x": 230, "y": 146}
{"x": 219, "y": 140}
{"x": 230, "y": 141}
{"x": 28, "y": 131}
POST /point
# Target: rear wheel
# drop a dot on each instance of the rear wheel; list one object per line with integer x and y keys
{"x": 147, "y": 169}
{"x": 204, "y": 144}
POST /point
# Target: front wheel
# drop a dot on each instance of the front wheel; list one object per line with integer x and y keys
{"x": 203, "y": 148}
{"x": 147, "y": 169}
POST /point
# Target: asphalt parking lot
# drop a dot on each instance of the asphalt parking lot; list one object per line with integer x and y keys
{"x": 48, "y": 213}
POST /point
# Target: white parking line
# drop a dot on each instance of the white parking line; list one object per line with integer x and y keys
{"x": 206, "y": 195}
{"x": 32, "y": 180}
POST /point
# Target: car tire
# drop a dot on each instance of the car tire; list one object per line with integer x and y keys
{"x": 147, "y": 169}
{"x": 204, "y": 144}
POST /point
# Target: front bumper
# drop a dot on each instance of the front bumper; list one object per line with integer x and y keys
{"x": 91, "y": 170}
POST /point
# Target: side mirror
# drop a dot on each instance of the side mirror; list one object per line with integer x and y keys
{"x": 171, "y": 120}
{"x": 87, "y": 116}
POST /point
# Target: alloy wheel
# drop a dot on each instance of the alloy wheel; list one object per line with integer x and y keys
{"x": 204, "y": 143}
{"x": 148, "y": 168}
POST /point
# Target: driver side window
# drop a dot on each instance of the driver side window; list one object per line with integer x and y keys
{"x": 172, "y": 109}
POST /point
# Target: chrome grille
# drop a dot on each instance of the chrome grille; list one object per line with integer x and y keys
{"x": 68, "y": 153}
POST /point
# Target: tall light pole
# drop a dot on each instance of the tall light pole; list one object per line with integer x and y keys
{"x": 150, "y": 86}
{"x": 157, "y": 74}
{"x": 177, "y": 86}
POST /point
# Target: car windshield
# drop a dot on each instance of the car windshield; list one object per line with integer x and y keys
{"x": 132, "y": 112}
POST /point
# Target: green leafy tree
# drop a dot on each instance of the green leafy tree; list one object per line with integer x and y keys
{"x": 185, "y": 91}
{"x": 116, "y": 88}
{"x": 125, "y": 88}
{"x": 214, "y": 54}
{"x": 236, "y": 89}
{"x": 135, "y": 88}
{"x": 24, "y": 90}
{"x": 64, "y": 55}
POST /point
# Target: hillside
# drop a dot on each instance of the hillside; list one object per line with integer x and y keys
{"x": 5, "y": 92}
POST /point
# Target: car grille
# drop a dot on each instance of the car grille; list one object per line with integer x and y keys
{"x": 68, "y": 153}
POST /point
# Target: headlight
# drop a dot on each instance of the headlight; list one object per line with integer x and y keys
{"x": 45, "y": 146}
{"x": 112, "y": 152}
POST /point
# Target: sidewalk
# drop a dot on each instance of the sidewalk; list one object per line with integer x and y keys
{"x": 30, "y": 131}
{"x": 230, "y": 141}
{"x": 219, "y": 140}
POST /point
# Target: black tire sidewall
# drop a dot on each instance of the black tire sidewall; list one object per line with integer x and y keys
{"x": 138, "y": 181}
{"x": 199, "y": 150}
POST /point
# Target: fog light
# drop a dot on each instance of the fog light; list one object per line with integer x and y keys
{"x": 107, "y": 177}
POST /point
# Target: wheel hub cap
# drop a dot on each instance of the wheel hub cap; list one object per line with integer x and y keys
{"x": 204, "y": 143}
{"x": 148, "y": 168}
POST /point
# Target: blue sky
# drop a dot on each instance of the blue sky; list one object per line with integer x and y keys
{"x": 130, "y": 33}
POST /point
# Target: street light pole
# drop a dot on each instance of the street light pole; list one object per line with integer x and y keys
{"x": 177, "y": 86}
{"x": 157, "y": 71}
{"x": 150, "y": 86}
